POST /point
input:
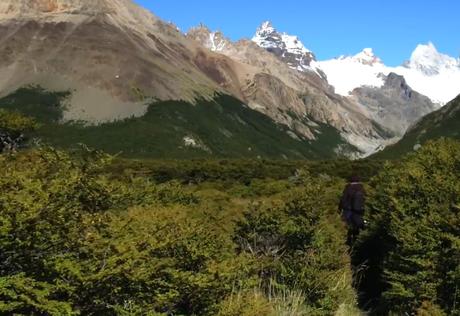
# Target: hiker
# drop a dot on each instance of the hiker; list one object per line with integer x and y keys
{"x": 352, "y": 207}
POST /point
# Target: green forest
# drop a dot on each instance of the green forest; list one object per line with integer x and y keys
{"x": 83, "y": 232}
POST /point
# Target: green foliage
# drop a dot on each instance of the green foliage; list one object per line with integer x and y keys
{"x": 15, "y": 122}
{"x": 415, "y": 211}
{"x": 85, "y": 233}
{"x": 59, "y": 240}
{"x": 22, "y": 295}
{"x": 33, "y": 101}
{"x": 242, "y": 171}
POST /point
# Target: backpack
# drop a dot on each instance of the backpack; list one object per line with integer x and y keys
{"x": 357, "y": 201}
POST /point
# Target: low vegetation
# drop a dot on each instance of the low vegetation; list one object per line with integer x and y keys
{"x": 86, "y": 233}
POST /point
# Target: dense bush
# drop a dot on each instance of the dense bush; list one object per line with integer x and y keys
{"x": 76, "y": 240}
{"x": 15, "y": 122}
{"x": 242, "y": 171}
{"x": 13, "y": 125}
{"x": 64, "y": 249}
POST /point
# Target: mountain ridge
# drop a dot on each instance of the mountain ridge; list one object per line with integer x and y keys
{"x": 118, "y": 58}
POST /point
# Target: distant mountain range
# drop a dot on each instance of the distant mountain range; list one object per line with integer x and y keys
{"x": 431, "y": 73}
{"x": 116, "y": 61}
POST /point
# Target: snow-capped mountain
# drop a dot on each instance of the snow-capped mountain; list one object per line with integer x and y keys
{"x": 287, "y": 47}
{"x": 428, "y": 71}
{"x": 382, "y": 93}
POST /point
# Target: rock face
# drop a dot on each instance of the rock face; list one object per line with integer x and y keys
{"x": 395, "y": 105}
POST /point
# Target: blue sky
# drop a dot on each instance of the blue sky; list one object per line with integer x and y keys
{"x": 330, "y": 28}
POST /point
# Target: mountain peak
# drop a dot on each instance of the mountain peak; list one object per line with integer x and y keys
{"x": 126, "y": 10}
{"x": 215, "y": 41}
{"x": 287, "y": 47}
{"x": 427, "y": 59}
{"x": 123, "y": 13}
{"x": 266, "y": 31}
{"x": 266, "y": 27}
{"x": 367, "y": 57}
{"x": 423, "y": 49}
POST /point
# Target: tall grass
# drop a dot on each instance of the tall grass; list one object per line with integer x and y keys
{"x": 273, "y": 300}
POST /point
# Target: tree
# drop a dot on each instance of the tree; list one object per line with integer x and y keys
{"x": 415, "y": 212}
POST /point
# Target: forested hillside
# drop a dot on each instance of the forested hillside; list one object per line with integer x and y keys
{"x": 223, "y": 127}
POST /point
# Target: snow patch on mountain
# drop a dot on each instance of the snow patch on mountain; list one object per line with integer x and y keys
{"x": 216, "y": 41}
{"x": 349, "y": 72}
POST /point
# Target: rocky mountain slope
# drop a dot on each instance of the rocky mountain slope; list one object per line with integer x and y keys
{"x": 116, "y": 58}
{"x": 109, "y": 52}
{"x": 294, "y": 95}
{"x": 395, "y": 105}
{"x": 222, "y": 127}
{"x": 444, "y": 122}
